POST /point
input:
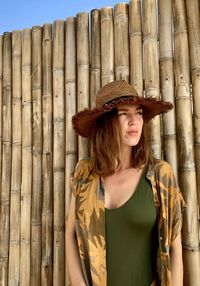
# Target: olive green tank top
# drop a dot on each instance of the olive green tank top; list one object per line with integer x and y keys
{"x": 131, "y": 239}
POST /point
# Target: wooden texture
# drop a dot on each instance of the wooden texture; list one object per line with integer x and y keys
{"x": 71, "y": 103}
{"x": 36, "y": 206}
{"x": 192, "y": 9}
{"x": 1, "y": 100}
{"x": 167, "y": 82}
{"x": 121, "y": 41}
{"x": 58, "y": 154}
{"x": 151, "y": 69}
{"x": 14, "y": 241}
{"x": 135, "y": 34}
{"x": 95, "y": 71}
{"x": 6, "y": 158}
{"x": 26, "y": 187}
{"x": 187, "y": 172}
{"x": 47, "y": 159}
{"x": 107, "y": 46}
{"x": 83, "y": 68}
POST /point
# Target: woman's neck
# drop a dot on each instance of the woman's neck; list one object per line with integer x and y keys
{"x": 126, "y": 158}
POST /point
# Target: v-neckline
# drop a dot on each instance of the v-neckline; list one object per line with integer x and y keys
{"x": 132, "y": 195}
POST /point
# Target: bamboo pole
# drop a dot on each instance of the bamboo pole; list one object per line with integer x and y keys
{"x": 194, "y": 46}
{"x": 58, "y": 153}
{"x": 187, "y": 172}
{"x": 83, "y": 67}
{"x": 107, "y": 46}
{"x": 121, "y": 41}
{"x": 151, "y": 69}
{"x": 37, "y": 157}
{"x": 26, "y": 186}
{"x": 47, "y": 159}
{"x": 70, "y": 95}
{"x": 95, "y": 75}
{"x": 1, "y": 100}
{"x": 135, "y": 32}
{"x": 167, "y": 82}
{"x": 6, "y": 160}
{"x": 14, "y": 247}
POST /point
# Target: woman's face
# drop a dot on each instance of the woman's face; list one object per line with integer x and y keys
{"x": 131, "y": 123}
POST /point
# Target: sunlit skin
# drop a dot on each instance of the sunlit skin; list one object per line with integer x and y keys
{"x": 131, "y": 123}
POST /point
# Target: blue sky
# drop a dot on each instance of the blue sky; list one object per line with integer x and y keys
{"x": 20, "y": 14}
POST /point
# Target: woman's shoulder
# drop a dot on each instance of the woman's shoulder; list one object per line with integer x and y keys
{"x": 161, "y": 166}
{"x": 80, "y": 174}
{"x": 83, "y": 167}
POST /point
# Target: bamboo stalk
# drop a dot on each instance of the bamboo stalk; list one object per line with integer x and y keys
{"x": 58, "y": 153}
{"x": 167, "y": 82}
{"x": 194, "y": 46}
{"x": 37, "y": 156}
{"x": 135, "y": 32}
{"x": 14, "y": 247}
{"x": 47, "y": 159}
{"x": 107, "y": 46}
{"x": 187, "y": 172}
{"x": 121, "y": 41}
{"x": 1, "y": 100}
{"x": 151, "y": 69}
{"x": 6, "y": 160}
{"x": 26, "y": 186}
{"x": 83, "y": 67}
{"x": 70, "y": 95}
{"x": 95, "y": 75}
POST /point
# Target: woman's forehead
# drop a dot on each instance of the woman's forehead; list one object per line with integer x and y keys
{"x": 129, "y": 106}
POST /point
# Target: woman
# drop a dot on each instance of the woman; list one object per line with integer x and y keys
{"x": 125, "y": 217}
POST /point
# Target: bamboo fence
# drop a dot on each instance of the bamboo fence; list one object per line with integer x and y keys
{"x": 83, "y": 69}
{"x": 36, "y": 205}
{"x": 135, "y": 36}
{"x": 26, "y": 178}
{"x": 58, "y": 154}
{"x": 70, "y": 96}
{"x": 14, "y": 243}
{"x": 107, "y": 45}
{"x": 167, "y": 81}
{"x": 1, "y": 91}
{"x": 6, "y": 158}
{"x": 49, "y": 72}
{"x": 187, "y": 170}
{"x": 47, "y": 159}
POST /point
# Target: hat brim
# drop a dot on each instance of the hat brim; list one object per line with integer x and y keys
{"x": 84, "y": 121}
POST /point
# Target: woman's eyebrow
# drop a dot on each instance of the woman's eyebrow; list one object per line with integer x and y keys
{"x": 126, "y": 109}
{"x": 123, "y": 109}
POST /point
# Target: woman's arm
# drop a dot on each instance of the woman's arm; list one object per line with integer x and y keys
{"x": 73, "y": 259}
{"x": 177, "y": 261}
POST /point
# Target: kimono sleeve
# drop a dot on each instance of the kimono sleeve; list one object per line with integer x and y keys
{"x": 77, "y": 177}
{"x": 73, "y": 184}
{"x": 178, "y": 206}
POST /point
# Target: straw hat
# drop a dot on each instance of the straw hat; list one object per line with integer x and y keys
{"x": 110, "y": 96}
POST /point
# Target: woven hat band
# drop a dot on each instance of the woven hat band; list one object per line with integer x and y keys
{"x": 112, "y": 91}
{"x": 115, "y": 100}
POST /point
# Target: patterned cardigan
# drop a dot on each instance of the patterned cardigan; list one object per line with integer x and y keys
{"x": 90, "y": 219}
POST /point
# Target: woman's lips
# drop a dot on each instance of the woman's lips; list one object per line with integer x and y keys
{"x": 133, "y": 132}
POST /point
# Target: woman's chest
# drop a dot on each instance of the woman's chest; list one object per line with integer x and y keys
{"x": 119, "y": 188}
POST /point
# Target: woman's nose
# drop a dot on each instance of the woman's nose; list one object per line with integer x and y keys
{"x": 132, "y": 119}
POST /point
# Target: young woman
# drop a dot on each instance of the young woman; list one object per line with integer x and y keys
{"x": 125, "y": 217}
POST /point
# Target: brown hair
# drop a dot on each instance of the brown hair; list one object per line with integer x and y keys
{"x": 106, "y": 143}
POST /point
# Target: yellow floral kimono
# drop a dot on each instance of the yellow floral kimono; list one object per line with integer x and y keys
{"x": 90, "y": 219}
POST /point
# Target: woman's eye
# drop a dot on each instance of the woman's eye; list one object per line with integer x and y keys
{"x": 140, "y": 112}
{"x": 122, "y": 113}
